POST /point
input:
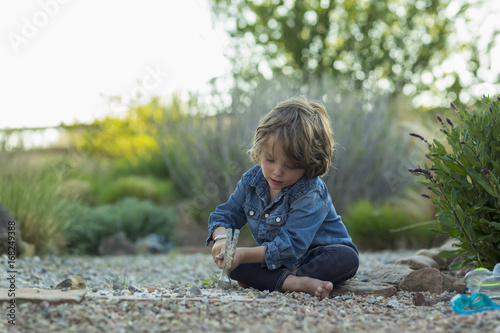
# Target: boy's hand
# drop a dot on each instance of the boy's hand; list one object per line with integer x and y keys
{"x": 218, "y": 250}
{"x": 239, "y": 254}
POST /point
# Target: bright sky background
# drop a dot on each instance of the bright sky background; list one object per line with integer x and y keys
{"x": 60, "y": 57}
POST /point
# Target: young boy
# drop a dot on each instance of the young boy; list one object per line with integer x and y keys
{"x": 302, "y": 244}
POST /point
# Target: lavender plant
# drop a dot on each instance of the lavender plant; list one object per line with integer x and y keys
{"x": 463, "y": 183}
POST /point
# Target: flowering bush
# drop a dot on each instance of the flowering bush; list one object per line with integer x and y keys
{"x": 463, "y": 181}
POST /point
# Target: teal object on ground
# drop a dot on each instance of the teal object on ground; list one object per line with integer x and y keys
{"x": 484, "y": 281}
{"x": 463, "y": 304}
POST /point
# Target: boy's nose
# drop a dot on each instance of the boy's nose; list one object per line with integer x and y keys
{"x": 278, "y": 171}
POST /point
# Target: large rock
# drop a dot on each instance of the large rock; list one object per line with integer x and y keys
{"x": 418, "y": 262}
{"x": 434, "y": 255}
{"x": 152, "y": 243}
{"x": 364, "y": 288}
{"x": 7, "y": 223}
{"x": 427, "y": 280}
{"x": 117, "y": 244}
{"x": 390, "y": 273}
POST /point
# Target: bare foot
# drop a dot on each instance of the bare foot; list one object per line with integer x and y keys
{"x": 243, "y": 285}
{"x": 314, "y": 287}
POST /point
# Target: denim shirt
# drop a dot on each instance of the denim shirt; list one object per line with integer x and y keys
{"x": 300, "y": 218}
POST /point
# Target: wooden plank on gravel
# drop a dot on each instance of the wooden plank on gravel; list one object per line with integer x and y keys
{"x": 164, "y": 298}
{"x": 54, "y": 296}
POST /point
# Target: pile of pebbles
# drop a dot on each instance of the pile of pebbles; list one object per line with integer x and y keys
{"x": 178, "y": 292}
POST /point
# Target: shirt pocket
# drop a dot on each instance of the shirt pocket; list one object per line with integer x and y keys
{"x": 274, "y": 223}
{"x": 251, "y": 212}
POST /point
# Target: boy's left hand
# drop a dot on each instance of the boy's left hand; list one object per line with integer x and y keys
{"x": 237, "y": 258}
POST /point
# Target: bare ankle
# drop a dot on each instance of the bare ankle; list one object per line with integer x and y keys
{"x": 318, "y": 288}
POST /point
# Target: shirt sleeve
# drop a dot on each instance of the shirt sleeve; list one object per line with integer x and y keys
{"x": 306, "y": 215}
{"x": 229, "y": 214}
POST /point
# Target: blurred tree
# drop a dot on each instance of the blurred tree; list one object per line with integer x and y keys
{"x": 389, "y": 44}
{"x": 129, "y": 138}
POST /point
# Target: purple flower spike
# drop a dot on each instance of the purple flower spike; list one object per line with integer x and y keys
{"x": 491, "y": 109}
{"x": 429, "y": 188}
{"x": 498, "y": 97}
{"x": 462, "y": 142}
{"x": 433, "y": 169}
{"x": 440, "y": 119}
{"x": 417, "y": 136}
{"x": 443, "y": 130}
{"x": 448, "y": 120}
{"x": 485, "y": 172}
{"x": 425, "y": 195}
{"x": 453, "y": 106}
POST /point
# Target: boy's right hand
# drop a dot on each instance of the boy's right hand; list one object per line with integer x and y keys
{"x": 218, "y": 250}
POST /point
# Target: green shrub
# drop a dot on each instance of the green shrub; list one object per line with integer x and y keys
{"x": 463, "y": 181}
{"x": 29, "y": 188}
{"x": 111, "y": 190}
{"x": 77, "y": 190}
{"x": 137, "y": 218}
{"x": 386, "y": 226}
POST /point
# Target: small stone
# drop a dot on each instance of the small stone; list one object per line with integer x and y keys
{"x": 250, "y": 295}
{"x": 153, "y": 289}
{"x": 195, "y": 291}
{"x": 94, "y": 290}
{"x": 459, "y": 285}
{"x": 393, "y": 303}
{"x": 44, "y": 305}
{"x": 117, "y": 286}
{"x": 448, "y": 282}
{"x": 418, "y": 299}
{"x": 133, "y": 288}
{"x": 372, "y": 300}
{"x": 72, "y": 284}
{"x": 204, "y": 300}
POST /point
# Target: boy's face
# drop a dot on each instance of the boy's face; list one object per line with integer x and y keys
{"x": 276, "y": 167}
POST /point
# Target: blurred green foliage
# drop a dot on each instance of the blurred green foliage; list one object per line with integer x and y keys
{"x": 29, "y": 188}
{"x": 389, "y": 44}
{"x": 129, "y": 140}
{"x": 88, "y": 226}
{"x": 387, "y": 226}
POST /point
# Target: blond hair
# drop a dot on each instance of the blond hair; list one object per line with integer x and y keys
{"x": 304, "y": 130}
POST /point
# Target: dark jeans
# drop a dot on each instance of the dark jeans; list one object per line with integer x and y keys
{"x": 335, "y": 263}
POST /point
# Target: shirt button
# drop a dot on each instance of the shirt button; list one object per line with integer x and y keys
{"x": 278, "y": 219}
{"x": 267, "y": 215}
{"x": 251, "y": 213}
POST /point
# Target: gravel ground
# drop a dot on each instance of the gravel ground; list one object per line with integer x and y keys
{"x": 183, "y": 297}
